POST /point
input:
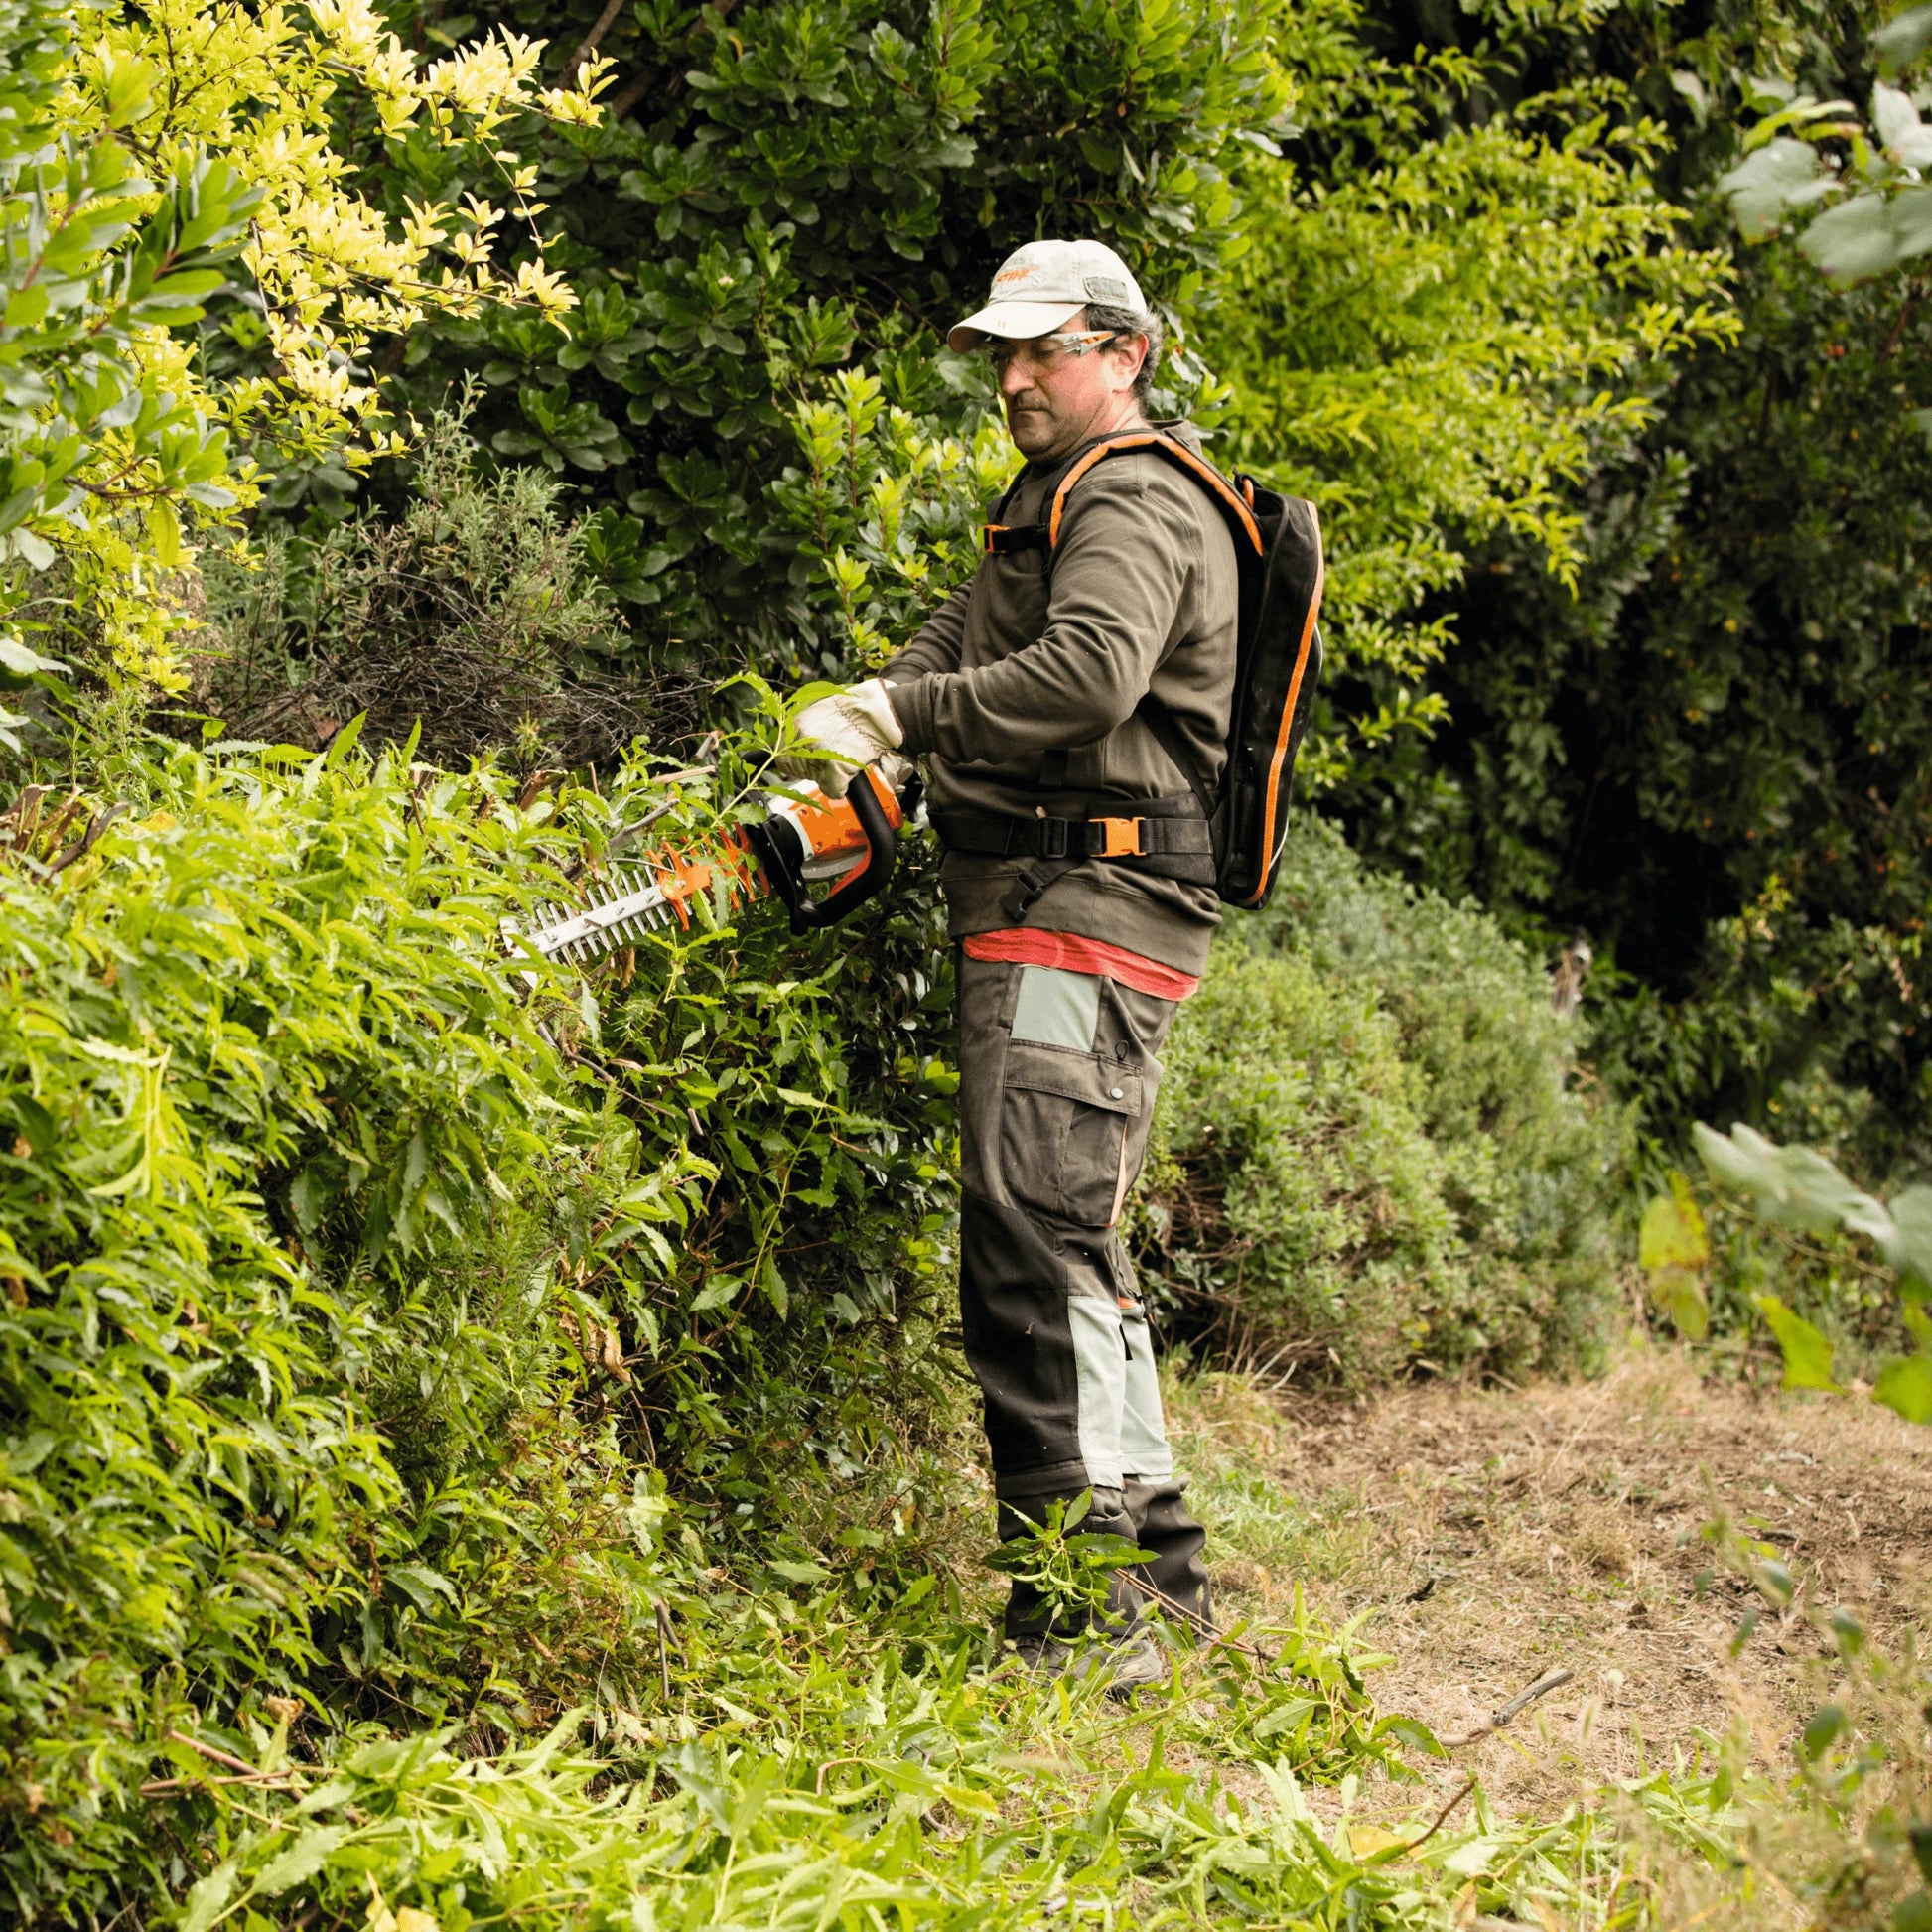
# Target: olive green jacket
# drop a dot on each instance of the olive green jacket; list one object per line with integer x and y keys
{"x": 1021, "y": 698}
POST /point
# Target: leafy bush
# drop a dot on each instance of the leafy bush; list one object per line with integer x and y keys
{"x": 344, "y": 1327}
{"x": 186, "y": 149}
{"x": 1383, "y": 369}
{"x": 1375, "y": 1137}
{"x": 1709, "y": 753}
{"x": 774, "y": 197}
{"x": 470, "y": 620}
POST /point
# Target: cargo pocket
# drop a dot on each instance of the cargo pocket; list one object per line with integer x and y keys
{"x": 1070, "y": 1124}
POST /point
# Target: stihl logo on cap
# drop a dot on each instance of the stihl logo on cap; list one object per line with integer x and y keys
{"x": 1007, "y": 276}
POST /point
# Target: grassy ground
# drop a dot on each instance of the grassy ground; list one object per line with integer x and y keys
{"x": 1483, "y": 1537}
{"x": 815, "y": 1761}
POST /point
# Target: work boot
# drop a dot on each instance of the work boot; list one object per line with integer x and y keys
{"x": 1128, "y": 1662}
{"x": 1135, "y": 1664}
{"x": 1160, "y": 1522}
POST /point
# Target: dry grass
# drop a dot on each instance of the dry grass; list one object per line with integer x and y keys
{"x": 1491, "y": 1535}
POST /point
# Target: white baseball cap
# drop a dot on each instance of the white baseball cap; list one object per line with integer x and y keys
{"x": 1042, "y": 287}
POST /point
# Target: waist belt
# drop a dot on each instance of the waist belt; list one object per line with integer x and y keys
{"x": 996, "y": 835}
{"x": 1167, "y": 838}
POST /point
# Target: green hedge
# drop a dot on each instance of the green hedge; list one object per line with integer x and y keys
{"x": 1376, "y": 1147}
{"x": 362, "y": 1296}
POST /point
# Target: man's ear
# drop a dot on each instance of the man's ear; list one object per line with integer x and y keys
{"x": 1121, "y": 354}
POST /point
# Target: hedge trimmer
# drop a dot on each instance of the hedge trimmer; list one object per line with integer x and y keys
{"x": 805, "y": 839}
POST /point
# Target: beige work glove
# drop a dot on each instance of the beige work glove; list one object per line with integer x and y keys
{"x": 841, "y": 734}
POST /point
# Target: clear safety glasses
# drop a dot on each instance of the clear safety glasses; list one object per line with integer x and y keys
{"x": 1045, "y": 352}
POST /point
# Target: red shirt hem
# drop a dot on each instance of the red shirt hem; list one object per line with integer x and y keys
{"x": 1071, "y": 953}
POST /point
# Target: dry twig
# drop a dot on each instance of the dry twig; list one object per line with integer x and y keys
{"x": 1544, "y": 1685}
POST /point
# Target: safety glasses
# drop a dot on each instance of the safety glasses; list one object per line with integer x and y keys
{"x": 1043, "y": 351}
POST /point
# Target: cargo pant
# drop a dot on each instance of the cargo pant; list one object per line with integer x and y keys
{"x": 1058, "y": 1073}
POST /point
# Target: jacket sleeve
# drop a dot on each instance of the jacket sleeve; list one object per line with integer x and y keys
{"x": 1130, "y": 543}
{"x": 936, "y": 645}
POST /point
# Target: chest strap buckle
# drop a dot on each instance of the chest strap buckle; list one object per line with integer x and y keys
{"x": 1121, "y": 836}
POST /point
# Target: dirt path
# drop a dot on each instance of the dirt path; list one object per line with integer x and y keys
{"x": 1496, "y": 1534}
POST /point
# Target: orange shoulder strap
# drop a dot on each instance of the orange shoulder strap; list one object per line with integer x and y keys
{"x": 1228, "y": 499}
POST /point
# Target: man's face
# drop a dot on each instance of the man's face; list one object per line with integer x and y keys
{"x": 1055, "y": 399}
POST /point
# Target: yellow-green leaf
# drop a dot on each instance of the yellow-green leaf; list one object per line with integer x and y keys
{"x": 164, "y": 533}
{"x": 1673, "y": 1233}
{"x": 1905, "y": 1386}
{"x": 1807, "y": 1351}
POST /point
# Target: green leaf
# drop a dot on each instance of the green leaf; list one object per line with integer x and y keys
{"x": 1807, "y": 1352}
{"x": 1871, "y": 234}
{"x": 1767, "y": 185}
{"x": 716, "y": 1293}
{"x": 36, "y": 1124}
{"x": 1795, "y": 1187}
{"x": 24, "y": 662}
{"x": 1908, "y": 1247}
{"x": 1672, "y": 1232}
{"x": 1679, "y": 1296}
{"x": 1413, "y": 1733}
{"x": 1905, "y": 1387}
{"x": 1827, "y": 1722}
{"x": 164, "y": 533}
{"x": 303, "y": 1859}
{"x": 1902, "y": 40}
{"x": 422, "y": 1585}
{"x": 1673, "y": 1248}
{"x": 1913, "y": 1914}
{"x": 774, "y": 1284}
{"x": 207, "y": 1899}
{"x": 798, "y": 1573}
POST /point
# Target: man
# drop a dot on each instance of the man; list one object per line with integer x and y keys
{"x": 1044, "y": 695}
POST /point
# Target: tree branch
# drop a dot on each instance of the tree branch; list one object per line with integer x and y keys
{"x": 605, "y": 21}
{"x": 628, "y": 97}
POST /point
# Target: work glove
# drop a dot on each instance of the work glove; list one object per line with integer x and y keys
{"x": 841, "y": 734}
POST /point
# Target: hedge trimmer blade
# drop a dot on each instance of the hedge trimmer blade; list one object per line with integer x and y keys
{"x": 804, "y": 839}
{"x": 621, "y": 909}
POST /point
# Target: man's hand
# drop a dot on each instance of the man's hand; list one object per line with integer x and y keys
{"x": 841, "y": 734}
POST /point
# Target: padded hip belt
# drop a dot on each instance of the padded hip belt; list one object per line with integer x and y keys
{"x": 1165, "y": 837}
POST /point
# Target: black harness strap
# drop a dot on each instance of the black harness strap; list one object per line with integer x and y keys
{"x": 996, "y": 835}
{"x": 1165, "y": 838}
{"x": 1005, "y": 539}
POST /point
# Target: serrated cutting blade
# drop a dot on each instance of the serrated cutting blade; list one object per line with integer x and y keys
{"x": 615, "y": 916}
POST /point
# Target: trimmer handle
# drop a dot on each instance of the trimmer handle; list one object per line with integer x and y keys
{"x": 783, "y": 853}
{"x": 869, "y": 877}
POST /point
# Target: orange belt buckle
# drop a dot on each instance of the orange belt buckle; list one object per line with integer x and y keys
{"x": 1123, "y": 837}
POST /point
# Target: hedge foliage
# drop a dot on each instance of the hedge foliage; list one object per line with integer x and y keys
{"x": 357, "y": 1287}
{"x": 1710, "y": 757}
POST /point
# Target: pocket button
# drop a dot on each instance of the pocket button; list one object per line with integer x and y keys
{"x": 1119, "y": 1093}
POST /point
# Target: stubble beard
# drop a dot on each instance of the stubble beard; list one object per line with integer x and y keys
{"x": 1041, "y": 433}
{"x": 1035, "y": 431}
